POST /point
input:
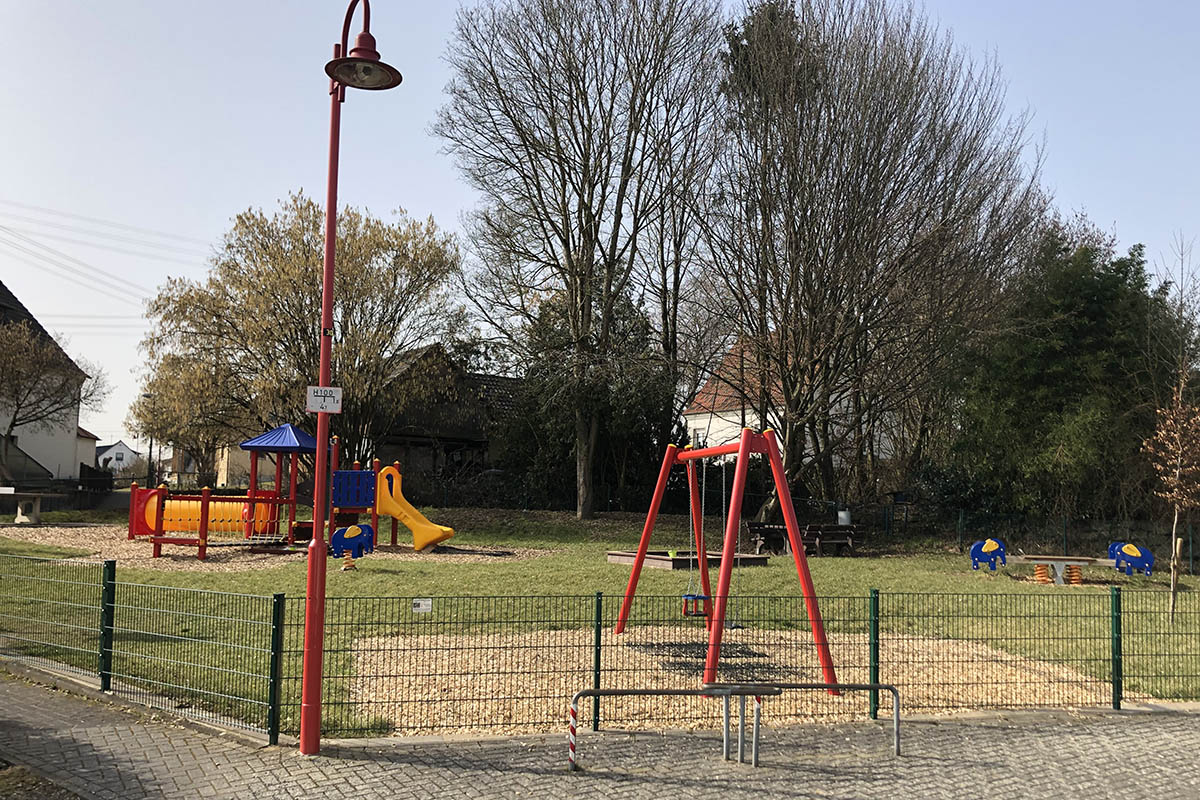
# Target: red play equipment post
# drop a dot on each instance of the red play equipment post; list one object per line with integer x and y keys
{"x": 375, "y": 506}
{"x": 750, "y": 442}
{"x": 292, "y": 467}
{"x": 728, "y": 553}
{"x": 278, "y": 492}
{"x": 659, "y": 490}
{"x": 205, "y": 494}
{"x": 806, "y": 583}
{"x": 253, "y": 490}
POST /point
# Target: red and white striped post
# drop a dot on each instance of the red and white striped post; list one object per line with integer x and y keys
{"x": 573, "y": 718}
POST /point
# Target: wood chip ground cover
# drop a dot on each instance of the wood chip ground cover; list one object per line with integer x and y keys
{"x": 111, "y": 541}
{"x": 512, "y": 683}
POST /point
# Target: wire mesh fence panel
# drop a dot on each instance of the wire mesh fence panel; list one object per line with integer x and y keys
{"x": 202, "y": 654}
{"x": 764, "y": 639}
{"x": 410, "y": 665}
{"x": 50, "y": 611}
{"x": 413, "y": 665}
{"x": 956, "y": 652}
{"x": 1160, "y": 650}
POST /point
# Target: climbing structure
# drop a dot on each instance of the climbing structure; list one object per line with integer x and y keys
{"x": 714, "y": 606}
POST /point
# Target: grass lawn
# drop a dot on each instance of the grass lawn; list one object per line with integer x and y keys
{"x": 562, "y": 556}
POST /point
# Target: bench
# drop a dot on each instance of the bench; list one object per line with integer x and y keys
{"x": 817, "y": 539}
{"x": 29, "y": 505}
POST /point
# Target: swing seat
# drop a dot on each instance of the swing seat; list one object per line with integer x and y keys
{"x": 693, "y": 605}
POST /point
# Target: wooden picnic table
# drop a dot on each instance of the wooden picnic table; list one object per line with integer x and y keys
{"x": 1060, "y": 563}
{"x": 29, "y": 512}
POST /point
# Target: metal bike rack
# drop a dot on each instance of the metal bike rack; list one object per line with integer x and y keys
{"x": 726, "y": 691}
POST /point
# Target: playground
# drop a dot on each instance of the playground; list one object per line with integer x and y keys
{"x": 488, "y": 620}
{"x": 493, "y": 630}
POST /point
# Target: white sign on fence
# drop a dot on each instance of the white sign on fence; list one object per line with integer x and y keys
{"x": 324, "y": 398}
{"x": 422, "y": 605}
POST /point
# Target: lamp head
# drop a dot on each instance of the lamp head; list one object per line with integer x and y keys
{"x": 362, "y": 69}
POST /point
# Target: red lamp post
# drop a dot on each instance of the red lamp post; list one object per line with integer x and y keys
{"x": 361, "y": 69}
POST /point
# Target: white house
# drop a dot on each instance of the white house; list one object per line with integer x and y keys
{"x": 44, "y": 452}
{"x": 718, "y": 412}
{"x": 85, "y": 446}
{"x": 116, "y": 457}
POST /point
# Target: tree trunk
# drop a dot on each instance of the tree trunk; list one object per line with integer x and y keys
{"x": 1176, "y": 543}
{"x": 586, "y": 430}
{"x": 5, "y": 472}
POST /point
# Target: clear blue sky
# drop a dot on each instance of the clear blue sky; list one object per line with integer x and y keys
{"x": 175, "y": 116}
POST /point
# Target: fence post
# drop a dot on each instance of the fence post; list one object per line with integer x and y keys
{"x": 596, "y": 659}
{"x": 108, "y": 598}
{"x": 276, "y": 677}
{"x": 873, "y": 614}
{"x": 1117, "y": 670}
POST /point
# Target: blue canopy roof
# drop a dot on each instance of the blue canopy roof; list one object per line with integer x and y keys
{"x": 286, "y": 438}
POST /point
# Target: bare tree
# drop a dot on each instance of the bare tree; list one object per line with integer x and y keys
{"x": 42, "y": 387}
{"x": 576, "y": 121}
{"x": 1174, "y": 449}
{"x": 871, "y": 198}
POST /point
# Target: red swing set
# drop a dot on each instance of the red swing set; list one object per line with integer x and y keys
{"x": 714, "y": 605}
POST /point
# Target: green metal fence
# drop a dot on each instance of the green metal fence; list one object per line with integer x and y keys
{"x": 211, "y": 656}
{"x": 1160, "y": 654}
{"x": 207, "y": 654}
{"x": 460, "y": 664}
{"x": 50, "y": 611}
{"x": 508, "y": 664}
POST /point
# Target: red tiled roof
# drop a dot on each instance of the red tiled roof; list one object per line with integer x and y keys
{"x": 721, "y": 391}
{"x": 83, "y": 433}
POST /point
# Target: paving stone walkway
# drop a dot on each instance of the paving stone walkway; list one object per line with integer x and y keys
{"x": 98, "y": 750}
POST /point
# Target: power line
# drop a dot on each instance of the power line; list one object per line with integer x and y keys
{"x": 99, "y": 326}
{"x": 71, "y": 274}
{"x": 86, "y": 266}
{"x": 89, "y": 316}
{"x": 99, "y": 221}
{"x": 111, "y": 248}
{"x": 115, "y": 237}
{"x": 61, "y": 271}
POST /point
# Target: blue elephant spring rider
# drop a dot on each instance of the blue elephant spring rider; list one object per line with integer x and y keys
{"x": 351, "y": 542}
{"x": 988, "y": 550}
{"x": 1131, "y": 557}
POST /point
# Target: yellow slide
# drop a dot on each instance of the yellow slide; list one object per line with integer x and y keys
{"x": 390, "y": 502}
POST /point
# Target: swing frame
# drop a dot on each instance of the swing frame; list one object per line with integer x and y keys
{"x": 715, "y": 605}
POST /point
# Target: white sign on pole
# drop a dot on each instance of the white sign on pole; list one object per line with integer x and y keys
{"x": 324, "y": 398}
{"x": 422, "y": 605}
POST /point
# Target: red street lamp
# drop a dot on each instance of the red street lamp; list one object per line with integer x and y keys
{"x": 361, "y": 69}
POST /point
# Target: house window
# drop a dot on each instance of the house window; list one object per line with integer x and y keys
{"x": 120, "y": 457}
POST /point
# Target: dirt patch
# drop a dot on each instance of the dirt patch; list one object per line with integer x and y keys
{"x": 517, "y": 683}
{"x": 111, "y": 541}
{"x": 18, "y": 783}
